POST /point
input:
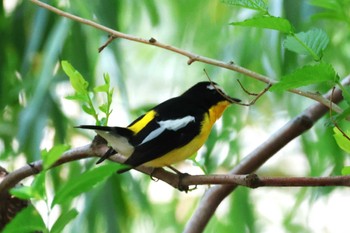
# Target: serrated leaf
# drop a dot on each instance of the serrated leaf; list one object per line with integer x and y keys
{"x": 341, "y": 140}
{"x": 310, "y": 74}
{"x": 49, "y": 157}
{"x": 267, "y": 22}
{"x": 258, "y": 5}
{"x": 26, "y": 221}
{"x": 345, "y": 171}
{"x": 76, "y": 79}
{"x": 312, "y": 42}
{"x": 63, "y": 220}
{"x": 84, "y": 183}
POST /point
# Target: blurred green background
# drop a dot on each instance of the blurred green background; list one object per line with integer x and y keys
{"x": 35, "y": 114}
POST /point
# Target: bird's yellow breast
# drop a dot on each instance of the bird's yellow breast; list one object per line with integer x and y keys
{"x": 182, "y": 153}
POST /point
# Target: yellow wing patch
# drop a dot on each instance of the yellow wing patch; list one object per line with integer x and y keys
{"x": 140, "y": 124}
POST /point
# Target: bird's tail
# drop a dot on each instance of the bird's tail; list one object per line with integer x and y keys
{"x": 117, "y": 137}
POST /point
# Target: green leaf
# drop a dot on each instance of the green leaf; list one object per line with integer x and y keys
{"x": 36, "y": 190}
{"x": 104, "y": 108}
{"x": 107, "y": 79}
{"x": 79, "y": 97}
{"x": 38, "y": 186}
{"x": 345, "y": 171}
{"x": 26, "y": 221}
{"x": 306, "y": 75}
{"x": 88, "y": 110}
{"x": 76, "y": 79}
{"x": 22, "y": 192}
{"x": 341, "y": 140}
{"x": 258, "y": 5}
{"x": 84, "y": 183}
{"x": 50, "y": 157}
{"x": 312, "y": 42}
{"x": 63, "y": 220}
{"x": 102, "y": 88}
{"x": 267, "y": 22}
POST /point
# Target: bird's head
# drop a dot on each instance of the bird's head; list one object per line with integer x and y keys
{"x": 210, "y": 93}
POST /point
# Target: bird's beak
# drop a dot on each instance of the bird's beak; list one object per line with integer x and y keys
{"x": 233, "y": 100}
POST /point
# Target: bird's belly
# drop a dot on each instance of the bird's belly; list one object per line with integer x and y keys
{"x": 182, "y": 153}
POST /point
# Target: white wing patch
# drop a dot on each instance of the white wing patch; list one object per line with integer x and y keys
{"x": 173, "y": 125}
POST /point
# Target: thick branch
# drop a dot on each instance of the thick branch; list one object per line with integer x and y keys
{"x": 191, "y": 56}
{"x": 294, "y": 128}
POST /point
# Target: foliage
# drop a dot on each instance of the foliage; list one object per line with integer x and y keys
{"x": 46, "y": 58}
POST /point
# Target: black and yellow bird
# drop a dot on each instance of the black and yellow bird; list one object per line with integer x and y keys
{"x": 171, "y": 131}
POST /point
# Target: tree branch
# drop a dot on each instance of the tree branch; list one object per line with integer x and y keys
{"x": 292, "y": 129}
{"x": 176, "y": 181}
{"x": 254, "y": 181}
{"x": 191, "y": 56}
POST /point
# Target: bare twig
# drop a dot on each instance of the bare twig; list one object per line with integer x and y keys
{"x": 191, "y": 56}
{"x": 110, "y": 39}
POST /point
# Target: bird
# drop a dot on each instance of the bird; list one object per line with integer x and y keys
{"x": 170, "y": 132}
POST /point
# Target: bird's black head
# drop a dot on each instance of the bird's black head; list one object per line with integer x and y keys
{"x": 208, "y": 92}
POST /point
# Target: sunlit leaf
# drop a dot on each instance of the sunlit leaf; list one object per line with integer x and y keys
{"x": 267, "y": 22}
{"x": 345, "y": 171}
{"x": 79, "y": 97}
{"x": 342, "y": 141}
{"x": 310, "y": 74}
{"x": 104, "y": 108}
{"x": 84, "y": 182}
{"x": 102, "y": 88}
{"x": 49, "y": 157}
{"x": 88, "y": 110}
{"x": 76, "y": 79}
{"x": 312, "y": 42}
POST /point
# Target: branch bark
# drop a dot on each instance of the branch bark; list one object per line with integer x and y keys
{"x": 292, "y": 129}
{"x": 192, "y": 57}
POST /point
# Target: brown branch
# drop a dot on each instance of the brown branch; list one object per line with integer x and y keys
{"x": 34, "y": 168}
{"x": 181, "y": 183}
{"x": 192, "y": 57}
{"x": 292, "y": 129}
{"x": 254, "y": 181}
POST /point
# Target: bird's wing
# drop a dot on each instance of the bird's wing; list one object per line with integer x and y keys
{"x": 162, "y": 136}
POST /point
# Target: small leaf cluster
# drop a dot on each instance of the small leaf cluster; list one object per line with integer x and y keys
{"x": 85, "y": 97}
{"x": 310, "y": 43}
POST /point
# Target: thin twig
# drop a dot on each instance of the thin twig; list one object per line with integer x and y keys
{"x": 191, "y": 56}
{"x": 110, "y": 39}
